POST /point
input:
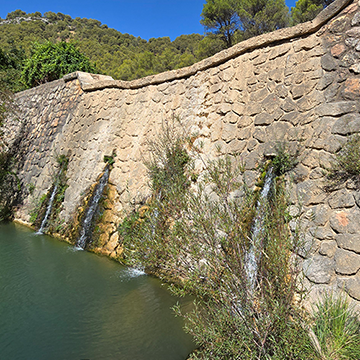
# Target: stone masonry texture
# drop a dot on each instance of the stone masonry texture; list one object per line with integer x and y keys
{"x": 299, "y": 85}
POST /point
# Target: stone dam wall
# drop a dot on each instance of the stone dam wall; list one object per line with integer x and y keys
{"x": 299, "y": 86}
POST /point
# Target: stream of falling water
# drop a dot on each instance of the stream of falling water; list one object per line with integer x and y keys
{"x": 91, "y": 210}
{"x": 257, "y": 231}
{"x": 49, "y": 206}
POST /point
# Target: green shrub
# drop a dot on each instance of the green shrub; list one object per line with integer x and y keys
{"x": 336, "y": 329}
{"x": 345, "y": 165}
{"x": 51, "y": 61}
{"x": 202, "y": 238}
{"x": 284, "y": 162}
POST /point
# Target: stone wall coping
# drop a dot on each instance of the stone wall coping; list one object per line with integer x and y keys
{"x": 93, "y": 82}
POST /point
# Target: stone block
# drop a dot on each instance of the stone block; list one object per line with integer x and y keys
{"x": 288, "y": 105}
{"x": 328, "y": 63}
{"x": 337, "y": 50}
{"x": 298, "y": 91}
{"x": 346, "y": 262}
{"x": 306, "y": 44}
{"x": 323, "y": 233}
{"x": 336, "y": 108}
{"x": 293, "y": 117}
{"x": 229, "y": 132}
{"x": 346, "y": 221}
{"x": 351, "y": 285}
{"x": 351, "y": 89}
{"x": 319, "y": 269}
{"x": 236, "y": 146}
{"x": 253, "y": 109}
{"x": 259, "y": 95}
{"x": 347, "y": 124}
{"x": 244, "y": 121}
{"x": 276, "y": 75}
{"x": 244, "y": 133}
{"x": 238, "y": 109}
{"x": 349, "y": 242}
{"x": 270, "y": 103}
{"x": 341, "y": 199}
{"x": 279, "y": 51}
{"x": 310, "y": 193}
{"x": 310, "y": 101}
{"x": 277, "y": 131}
{"x": 328, "y": 248}
{"x": 281, "y": 91}
{"x": 223, "y": 108}
{"x": 260, "y": 134}
{"x": 263, "y": 119}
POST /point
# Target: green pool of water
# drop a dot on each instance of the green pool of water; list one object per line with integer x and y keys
{"x": 59, "y": 303}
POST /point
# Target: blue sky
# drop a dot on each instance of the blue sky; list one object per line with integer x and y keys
{"x": 144, "y": 18}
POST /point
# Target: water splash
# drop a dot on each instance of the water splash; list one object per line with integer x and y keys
{"x": 131, "y": 273}
{"x": 257, "y": 230}
{"x": 49, "y": 206}
{"x": 91, "y": 210}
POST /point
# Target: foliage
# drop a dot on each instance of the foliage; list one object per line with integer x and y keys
{"x": 10, "y": 68}
{"x": 283, "y": 162}
{"x": 9, "y": 185}
{"x": 222, "y": 17}
{"x": 126, "y": 57}
{"x": 203, "y": 236}
{"x": 145, "y": 232}
{"x": 115, "y": 54}
{"x": 346, "y": 164}
{"x": 9, "y": 182}
{"x": 40, "y": 206}
{"x": 236, "y": 20}
{"x": 51, "y": 61}
{"x": 306, "y": 10}
{"x": 109, "y": 159}
{"x": 336, "y": 329}
{"x": 261, "y": 16}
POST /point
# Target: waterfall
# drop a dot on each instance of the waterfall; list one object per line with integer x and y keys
{"x": 91, "y": 210}
{"x": 49, "y": 206}
{"x": 257, "y": 230}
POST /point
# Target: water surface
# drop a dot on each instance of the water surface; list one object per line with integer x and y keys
{"x": 58, "y": 303}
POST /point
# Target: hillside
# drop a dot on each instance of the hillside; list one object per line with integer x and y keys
{"x": 121, "y": 56}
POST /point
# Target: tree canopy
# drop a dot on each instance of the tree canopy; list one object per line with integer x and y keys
{"x": 51, "y": 61}
{"x": 127, "y": 57}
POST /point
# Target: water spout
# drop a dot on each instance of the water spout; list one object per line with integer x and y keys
{"x": 49, "y": 207}
{"x": 91, "y": 210}
{"x": 257, "y": 231}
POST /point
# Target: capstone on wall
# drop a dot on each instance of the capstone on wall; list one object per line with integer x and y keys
{"x": 299, "y": 85}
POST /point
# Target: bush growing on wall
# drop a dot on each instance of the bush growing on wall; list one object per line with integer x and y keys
{"x": 203, "y": 238}
{"x": 346, "y": 164}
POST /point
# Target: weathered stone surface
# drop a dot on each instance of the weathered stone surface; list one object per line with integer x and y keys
{"x": 328, "y": 63}
{"x": 352, "y": 89}
{"x": 298, "y": 91}
{"x": 328, "y": 248}
{"x": 319, "y": 269}
{"x": 346, "y": 262}
{"x": 351, "y": 285}
{"x": 341, "y": 199}
{"x": 347, "y": 124}
{"x": 229, "y": 132}
{"x": 336, "y": 109}
{"x": 263, "y": 119}
{"x": 349, "y": 242}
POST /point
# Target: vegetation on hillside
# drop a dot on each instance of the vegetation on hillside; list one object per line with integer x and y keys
{"x": 127, "y": 57}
